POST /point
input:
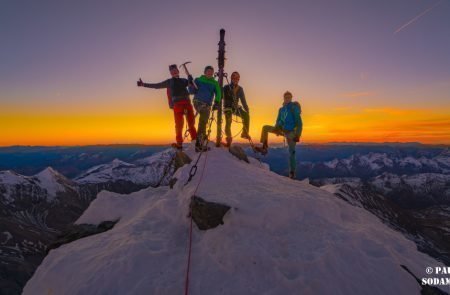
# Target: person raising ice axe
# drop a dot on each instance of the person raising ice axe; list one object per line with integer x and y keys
{"x": 289, "y": 124}
{"x": 179, "y": 101}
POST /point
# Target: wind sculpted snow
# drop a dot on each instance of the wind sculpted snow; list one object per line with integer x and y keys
{"x": 280, "y": 237}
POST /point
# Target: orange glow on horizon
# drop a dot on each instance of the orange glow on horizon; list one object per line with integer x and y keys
{"x": 157, "y": 127}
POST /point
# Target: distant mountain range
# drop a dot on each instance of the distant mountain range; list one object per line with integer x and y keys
{"x": 35, "y": 209}
{"x": 406, "y": 186}
{"x": 70, "y": 161}
{"x": 372, "y": 164}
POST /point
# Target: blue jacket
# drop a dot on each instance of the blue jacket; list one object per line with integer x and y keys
{"x": 289, "y": 118}
{"x": 208, "y": 88}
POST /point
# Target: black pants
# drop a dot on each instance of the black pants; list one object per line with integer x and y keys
{"x": 203, "y": 111}
{"x": 229, "y": 118}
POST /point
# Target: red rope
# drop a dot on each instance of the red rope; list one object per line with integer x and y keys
{"x": 186, "y": 285}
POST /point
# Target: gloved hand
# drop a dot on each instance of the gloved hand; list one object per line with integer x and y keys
{"x": 140, "y": 83}
{"x": 215, "y": 106}
{"x": 296, "y": 138}
{"x": 190, "y": 79}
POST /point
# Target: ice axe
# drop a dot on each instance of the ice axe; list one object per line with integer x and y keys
{"x": 187, "y": 72}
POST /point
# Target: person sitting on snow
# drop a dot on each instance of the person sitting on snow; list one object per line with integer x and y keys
{"x": 289, "y": 124}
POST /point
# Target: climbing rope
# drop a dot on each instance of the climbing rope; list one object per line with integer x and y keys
{"x": 173, "y": 157}
{"x": 194, "y": 167}
{"x": 192, "y": 173}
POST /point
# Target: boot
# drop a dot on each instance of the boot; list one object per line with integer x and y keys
{"x": 201, "y": 148}
{"x": 177, "y": 145}
{"x": 245, "y": 135}
{"x": 262, "y": 149}
{"x": 292, "y": 174}
{"x": 229, "y": 140}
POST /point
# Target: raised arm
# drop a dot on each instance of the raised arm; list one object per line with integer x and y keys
{"x": 163, "y": 84}
{"x": 192, "y": 86}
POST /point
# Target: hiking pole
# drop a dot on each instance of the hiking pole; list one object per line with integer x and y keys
{"x": 187, "y": 73}
{"x": 221, "y": 63}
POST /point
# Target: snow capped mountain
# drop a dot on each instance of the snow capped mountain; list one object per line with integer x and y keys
{"x": 104, "y": 172}
{"x": 373, "y": 164}
{"x": 125, "y": 177}
{"x": 45, "y": 185}
{"x": 34, "y": 210}
{"x": 429, "y": 228}
{"x": 280, "y": 237}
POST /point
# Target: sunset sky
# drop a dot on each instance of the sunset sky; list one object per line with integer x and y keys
{"x": 363, "y": 71}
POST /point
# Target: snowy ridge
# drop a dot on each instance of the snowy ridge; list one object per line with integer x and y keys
{"x": 379, "y": 162}
{"x": 9, "y": 177}
{"x": 419, "y": 183}
{"x": 46, "y": 184}
{"x": 51, "y": 181}
{"x": 147, "y": 171}
{"x": 281, "y": 237}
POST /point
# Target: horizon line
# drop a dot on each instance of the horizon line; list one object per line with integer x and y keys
{"x": 240, "y": 143}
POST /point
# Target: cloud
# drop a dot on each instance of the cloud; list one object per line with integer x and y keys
{"x": 413, "y": 20}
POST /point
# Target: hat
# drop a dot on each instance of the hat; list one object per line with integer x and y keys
{"x": 208, "y": 68}
{"x": 173, "y": 67}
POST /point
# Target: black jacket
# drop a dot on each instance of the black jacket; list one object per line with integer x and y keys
{"x": 232, "y": 101}
{"x": 177, "y": 87}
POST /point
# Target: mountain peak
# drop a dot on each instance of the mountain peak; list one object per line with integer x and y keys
{"x": 118, "y": 162}
{"x": 281, "y": 235}
{"x": 48, "y": 172}
{"x": 52, "y": 181}
{"x": 10, "y": 177}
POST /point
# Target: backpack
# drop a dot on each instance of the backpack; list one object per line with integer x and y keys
{"x": 299, "y": 107}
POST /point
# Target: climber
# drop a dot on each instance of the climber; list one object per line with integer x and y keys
{"x": 207, "y": 89}
{"x": 232, "y": 93}
{"x": 179, "y": 101}
{"x": 289, "y": 124}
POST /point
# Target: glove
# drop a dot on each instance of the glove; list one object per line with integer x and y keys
{"x": 296, "y": 138}
{"x": 215, "y": 106}
{"x": 140, "y": 83}
{"x": 190, "y": 79}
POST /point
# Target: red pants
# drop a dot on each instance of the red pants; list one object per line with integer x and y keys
{"x": 184, "y": 108}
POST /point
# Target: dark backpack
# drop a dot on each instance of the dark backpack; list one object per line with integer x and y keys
{"x": 299, "y": 107}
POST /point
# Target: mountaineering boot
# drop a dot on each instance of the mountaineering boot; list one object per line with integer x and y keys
{"x": 292, "y": 174}
{"x": 178, "y": 146}
{"x": 245, "y": 135}
{"x": 201, "y": 148}
{"x": 229, "y": 140}
{"x": 262, "y": 149}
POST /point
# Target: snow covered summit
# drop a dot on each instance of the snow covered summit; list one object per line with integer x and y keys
{"x": 280, "y": 237}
